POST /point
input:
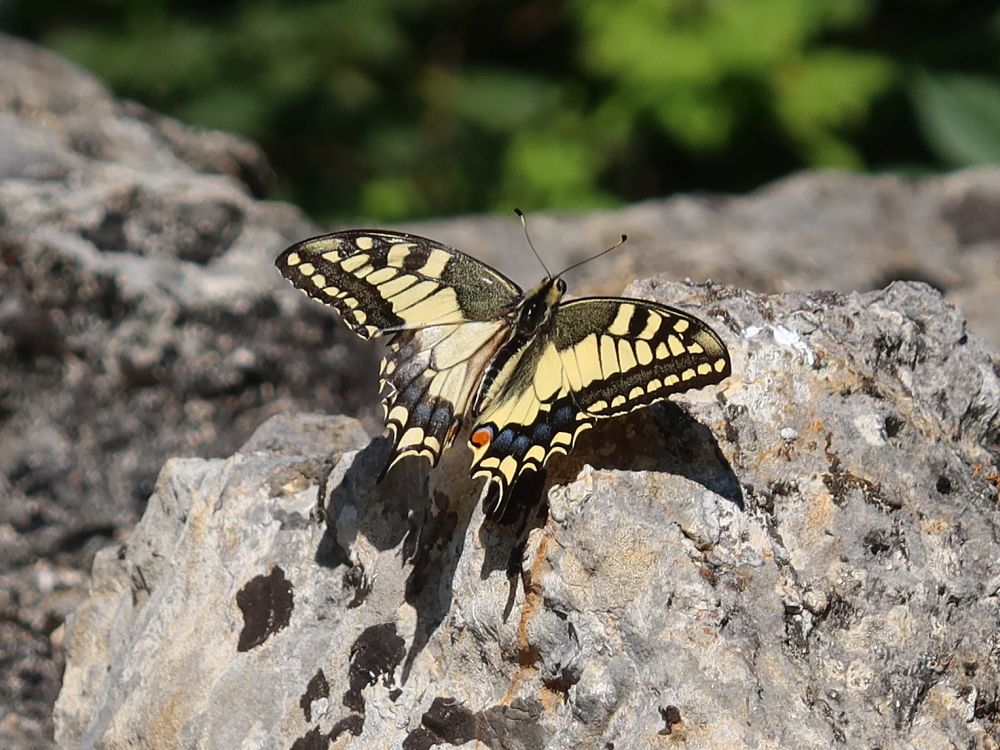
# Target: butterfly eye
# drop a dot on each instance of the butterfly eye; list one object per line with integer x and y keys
{"x": 532, "y": 314}
{"x": 561, "y": 286}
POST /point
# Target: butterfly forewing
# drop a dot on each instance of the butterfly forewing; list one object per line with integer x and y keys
{"x": 383, "y": 282}
{"x": 620, "y": 354}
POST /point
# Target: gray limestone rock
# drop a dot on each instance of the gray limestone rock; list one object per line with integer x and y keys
{"x": 808, "y": 557}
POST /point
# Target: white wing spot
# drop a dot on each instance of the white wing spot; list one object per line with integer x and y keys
{"x": 381, "y": 275}
{"x": 681, "y": 325}
{"x": 626, "y": 357}
{"x": 435, "y": 264}
{"x": 652, "y": 325}
{"x": 293, "y": 259}
{"x": 397, "y": 254}
{"x": 609, "y": 356}
{"x": 307, "y": 269}
{"x": 364, "y": 243}
{"x": 535, "y": 453}
{"x": 395, "y": 286}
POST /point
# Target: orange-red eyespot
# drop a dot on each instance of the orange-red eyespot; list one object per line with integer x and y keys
{"x": 482, "y": 436}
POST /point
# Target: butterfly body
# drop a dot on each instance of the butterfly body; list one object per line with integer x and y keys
{"x": 527, "y": 371}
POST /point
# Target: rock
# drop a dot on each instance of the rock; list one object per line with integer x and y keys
{"x": 703, "y": 575}
{"x": 140, "y": 318}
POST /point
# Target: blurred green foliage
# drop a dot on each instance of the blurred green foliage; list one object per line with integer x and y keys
{"x": 395, "y": 109}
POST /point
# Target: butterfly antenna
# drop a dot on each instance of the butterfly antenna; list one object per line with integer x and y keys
{"x": 595, "y": 257}
{"x": 524, "y": 224}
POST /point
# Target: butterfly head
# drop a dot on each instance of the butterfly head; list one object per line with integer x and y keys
{"x": 538, "y": 305}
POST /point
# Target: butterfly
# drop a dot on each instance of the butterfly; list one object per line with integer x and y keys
{"x": 527, "y": 371}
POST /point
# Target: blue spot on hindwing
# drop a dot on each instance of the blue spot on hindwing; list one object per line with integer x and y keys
{"x": 502, "y": 442}
{"x": 520, "y": 447}
{"x": 563, "y": 415}
{"x": 542, "y": 433}
{"x": 412, "y": 393}
{"x": 441, "y": 419}
{"x": 421, "y": 413}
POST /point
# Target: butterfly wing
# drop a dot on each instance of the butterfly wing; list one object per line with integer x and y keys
{"x": 384, "y": 282}
{"x": 427, "y": 381}
{"x": 621, "y": 354}
{"x": 445, "y": 310}
{"x": 601, "y": 357}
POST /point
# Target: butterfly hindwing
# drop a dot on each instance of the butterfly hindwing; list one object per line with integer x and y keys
{"x": 383, "y": 282}
{"x": 533, "y": 416}
{"x": 427, "y": 381}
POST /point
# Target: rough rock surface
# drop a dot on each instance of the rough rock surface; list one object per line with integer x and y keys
{"x": 140, "y": 317}
{"x": 809, "y": 557}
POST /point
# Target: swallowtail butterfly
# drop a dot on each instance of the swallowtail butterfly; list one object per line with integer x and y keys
{"x": 527, "y": 371}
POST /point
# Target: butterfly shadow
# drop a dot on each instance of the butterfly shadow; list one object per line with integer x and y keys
{"x": 426, "y": 515}
{"x": 663, "y": 438}
{"x": 408, "y": 512}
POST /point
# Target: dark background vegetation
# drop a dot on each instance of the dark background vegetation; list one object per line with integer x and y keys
{"x": 395, "y": 109}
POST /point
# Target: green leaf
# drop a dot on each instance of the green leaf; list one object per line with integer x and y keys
{"x": 959, "y": 116}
